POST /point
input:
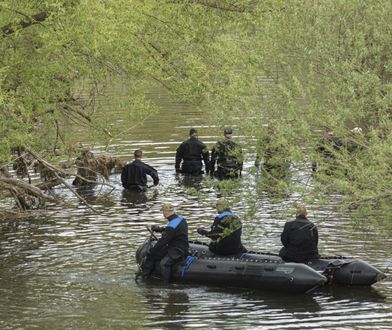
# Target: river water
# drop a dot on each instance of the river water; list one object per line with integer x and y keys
{"x": 71, "y": 268}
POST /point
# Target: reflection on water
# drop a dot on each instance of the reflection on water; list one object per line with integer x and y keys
{"x": 75, "y": 269}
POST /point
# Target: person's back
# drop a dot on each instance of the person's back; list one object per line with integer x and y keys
{"x": 134, "y": 175}
{"x": 228, "y": 156}
{"x": 299, "y": 239}
{"x": 226, "y": 231}
{"x": 192, "y": 152}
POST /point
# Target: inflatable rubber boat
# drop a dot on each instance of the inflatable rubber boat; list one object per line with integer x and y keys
{"x": 337, "y": 270}
{"x": 266, "y": 273}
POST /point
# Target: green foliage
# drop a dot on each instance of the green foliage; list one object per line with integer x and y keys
{"x": 296, "y": 66}
{"x": 329, "y": 65}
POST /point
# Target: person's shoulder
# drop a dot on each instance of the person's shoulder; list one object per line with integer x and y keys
{"x": 149, "y": 166}
{"x": 182, "y": 144}
{"x": 202, "y": 144}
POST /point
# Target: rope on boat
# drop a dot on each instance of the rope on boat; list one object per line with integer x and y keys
{"x": 188, "y": 262}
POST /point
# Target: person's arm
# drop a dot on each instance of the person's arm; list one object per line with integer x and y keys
{"x": 158, "y": 229}
{"x": 124, "y": 177}
{"x": 179, "y": 155}
{"x": 167, "y": 236}
{"x": 206, "y": 158}
{"x": 316, "y": 236}
{"x": 257, "y": 160}
{"x": 213, "y": 158}
{"x": 284, "y": 237}
{"x": 216, "y": 230}
{"x": 153, "y": 173}
{"x": 240, "y": 158}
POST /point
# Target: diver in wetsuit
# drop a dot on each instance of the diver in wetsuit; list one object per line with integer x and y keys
{"x": 228, "y": 156}
{"x": 191, "y": 152}
{"x": 134, "y": 175}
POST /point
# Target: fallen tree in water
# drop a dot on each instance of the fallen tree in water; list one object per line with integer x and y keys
{"x": 33, "y": 196}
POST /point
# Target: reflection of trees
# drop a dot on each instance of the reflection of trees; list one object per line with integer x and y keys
{"x": 17, "y": 268}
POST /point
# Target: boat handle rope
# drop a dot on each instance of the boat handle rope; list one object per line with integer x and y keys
{"x": 188, "y": 262}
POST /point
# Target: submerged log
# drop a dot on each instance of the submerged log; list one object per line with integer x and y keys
{"x": 27, "y": 196}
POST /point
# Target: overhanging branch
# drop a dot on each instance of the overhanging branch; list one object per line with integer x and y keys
{"x": 24, "y": 23}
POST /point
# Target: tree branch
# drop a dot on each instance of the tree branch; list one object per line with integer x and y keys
{"x": 11, "y": 183}
{"x": 28, "y": 21}
{"x": 55, "y": 172}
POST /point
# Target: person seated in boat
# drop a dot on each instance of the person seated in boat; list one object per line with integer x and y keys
{"x": 171, "y": 248}
{"x": 299, "y": 238}
{"x": 134, "y": 175}
{"x": 225, "y": 233}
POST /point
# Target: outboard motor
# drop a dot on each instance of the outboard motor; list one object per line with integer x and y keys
{"x": 141, "y": 252}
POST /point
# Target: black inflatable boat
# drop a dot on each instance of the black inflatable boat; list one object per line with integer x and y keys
{"x": 266, "y": 273}
{"x": 338, "y": 270}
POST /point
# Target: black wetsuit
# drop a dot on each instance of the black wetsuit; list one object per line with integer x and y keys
{"x": 225, "y": 234}
{"x": 191, "y": 152}
{"x": 134, "y": 175}
{"x": 171, "y": 248}
{"x": 300, "y": 241}
{"x": 228, "y": 156}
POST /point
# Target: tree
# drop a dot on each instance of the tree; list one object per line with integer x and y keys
{"x": 297, "y": 66}
{"x": 326, "y": 65}
{"x": 58, "y": 56}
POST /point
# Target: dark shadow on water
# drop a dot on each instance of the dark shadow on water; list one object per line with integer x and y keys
{"x": 130, "y": 197}
{"x": 171, "y": 302}
{"x": 189, "y": 181}
{"x": 139, "y": 201}
{"x": 353, "y": 293}
{"x": 286, "y": 302}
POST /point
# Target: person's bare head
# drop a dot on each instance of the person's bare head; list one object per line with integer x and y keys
{"x": 301, "y": 211}
{"x": 167, "y": 210}
{"x": 138, "y": 154}
{"x": 228, "y": 133}
{"x": 193, "y": 132}
{"x": 222, "y": 204}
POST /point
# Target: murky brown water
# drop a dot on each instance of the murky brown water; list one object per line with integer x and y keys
{"x": 74, "y": 269}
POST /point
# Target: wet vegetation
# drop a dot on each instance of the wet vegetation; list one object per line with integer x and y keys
{"x": 282, "y": 73}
